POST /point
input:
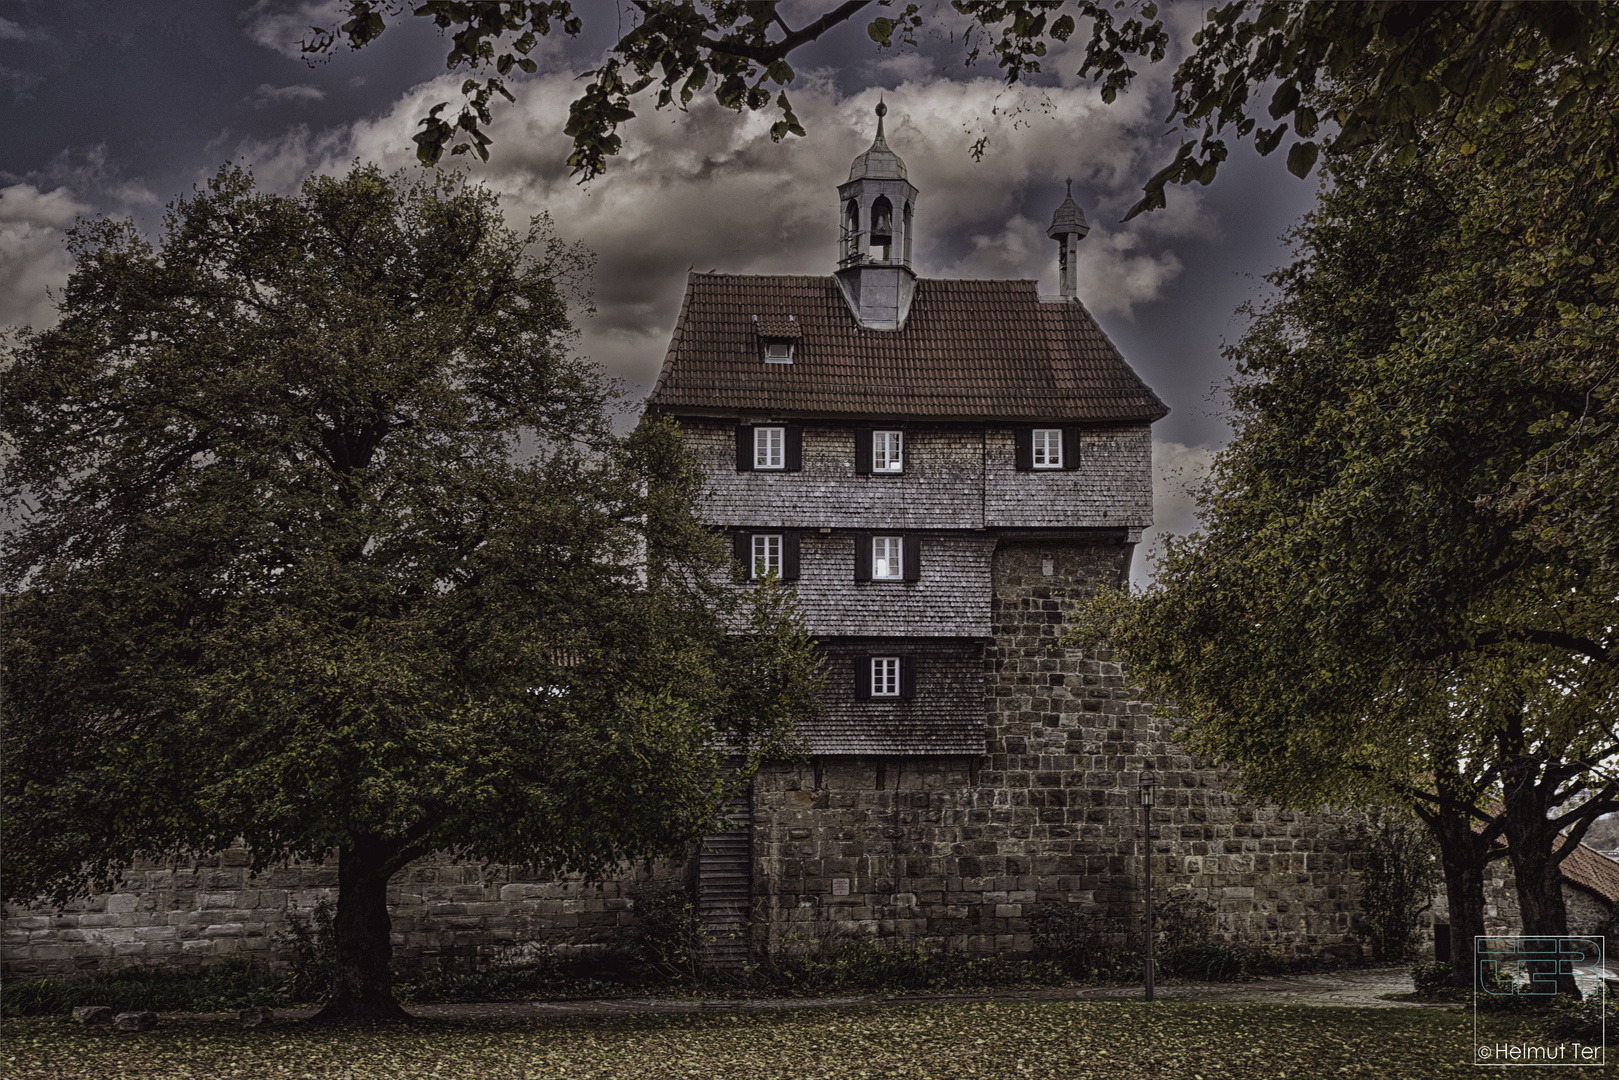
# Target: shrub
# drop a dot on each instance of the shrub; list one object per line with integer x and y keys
{"x": 235, "y": 984}
{"x": 867, "y": 965}
{"x": 1570, "y": 1018}
{"x": 669, "y": 935}
{"x": 1399, "y": 873}
{"x": 1205, "y": 961}
{"x": 1086, "y": 945}
{"x": 573, "y": 979}
{"x": 1431, "y": 979}
{"x": 1183, "y": 919}
{"x": 314, "y": 949}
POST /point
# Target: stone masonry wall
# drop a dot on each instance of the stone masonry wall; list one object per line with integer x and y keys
{"x": 200, "y": 911}
{"x": 957, "y": 852}
{"x": 1587, "y": 912}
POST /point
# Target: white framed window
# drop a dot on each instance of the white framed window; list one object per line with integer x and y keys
{"x": 766, "y": 555}
{"x": 887, "y": 453}
{"x": 1048, "y": 448}
{"x": 885, "y": 676}
{"x": 887, "y": 562}
{"x": 769, "y": 448}
{"x": 778, "y": 352}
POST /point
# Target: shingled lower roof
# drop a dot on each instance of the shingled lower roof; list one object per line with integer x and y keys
{"x": 968, "y": 350}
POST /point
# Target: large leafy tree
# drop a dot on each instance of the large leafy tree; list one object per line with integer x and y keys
{"x": 1382, "y": 601}
{"x": 324, "y": 542}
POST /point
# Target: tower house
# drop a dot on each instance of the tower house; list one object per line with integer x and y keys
{"x": 936, "y": 466}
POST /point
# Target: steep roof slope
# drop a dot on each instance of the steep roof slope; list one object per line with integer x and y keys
{"x": 969, "y": 350}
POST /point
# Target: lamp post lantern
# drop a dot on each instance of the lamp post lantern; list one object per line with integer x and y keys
{"x": 1146, "y": 786}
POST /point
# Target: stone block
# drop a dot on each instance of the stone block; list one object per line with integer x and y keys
{"x": 92, "y": 1014}
{"x": 134, "y": 1021}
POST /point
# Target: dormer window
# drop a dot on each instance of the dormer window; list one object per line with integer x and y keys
{"x": 775, "y": 334}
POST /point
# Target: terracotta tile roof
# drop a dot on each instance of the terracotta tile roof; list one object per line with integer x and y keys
{"x": 1585, "y": 866}
{"x": 1588, "y": 867}
{"x": 969, "y": 349}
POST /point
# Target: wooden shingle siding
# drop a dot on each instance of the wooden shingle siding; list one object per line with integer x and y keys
{"x": 945, "y": 717}
{"x": 950, "y": 599}
{"x": 1112, "y": 487}
{"x": 942, "y": 486}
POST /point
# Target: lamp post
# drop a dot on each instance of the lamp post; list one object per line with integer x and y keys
{"x": 1146, "y": 786}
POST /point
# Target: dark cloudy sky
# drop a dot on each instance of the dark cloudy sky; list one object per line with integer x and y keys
{"x": 118, "y": 108}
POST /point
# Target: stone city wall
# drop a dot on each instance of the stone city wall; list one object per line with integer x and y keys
{"x": 203, "y": 910}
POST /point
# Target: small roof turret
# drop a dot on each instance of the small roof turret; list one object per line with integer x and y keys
{"x": 879, "y": 162}
{"x": 1069, "y": 218}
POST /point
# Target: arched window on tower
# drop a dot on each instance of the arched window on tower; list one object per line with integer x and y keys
{"x": 882, "y": 229}
{"x": 907, "y": 234}
{"x": 851, "y": 234}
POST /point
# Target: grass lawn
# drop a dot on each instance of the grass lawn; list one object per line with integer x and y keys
{"x": 1013, "y": 1040}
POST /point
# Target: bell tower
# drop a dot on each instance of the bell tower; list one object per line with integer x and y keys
{"x": 876, "y": 216}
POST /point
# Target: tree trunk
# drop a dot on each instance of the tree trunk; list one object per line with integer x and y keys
{"x": 1532, "y": 845}
{"x": 1464, "y": 854}
{"x": 362, "y": 982}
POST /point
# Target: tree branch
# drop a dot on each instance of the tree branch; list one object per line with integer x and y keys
{"x": 809, "y": 32}
{"x": 1573, "y": 642}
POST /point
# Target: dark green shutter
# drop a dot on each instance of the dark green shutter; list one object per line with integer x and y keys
{"x": 789, "y": 556}
{"x": 792, "y": 458}
{"x": 1023, "y": 448}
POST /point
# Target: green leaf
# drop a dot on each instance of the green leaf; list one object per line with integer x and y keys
{"x": 1301, "y": 158}
{"x": 1285, "y": 100}
{"x": 1266, "y": 140}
